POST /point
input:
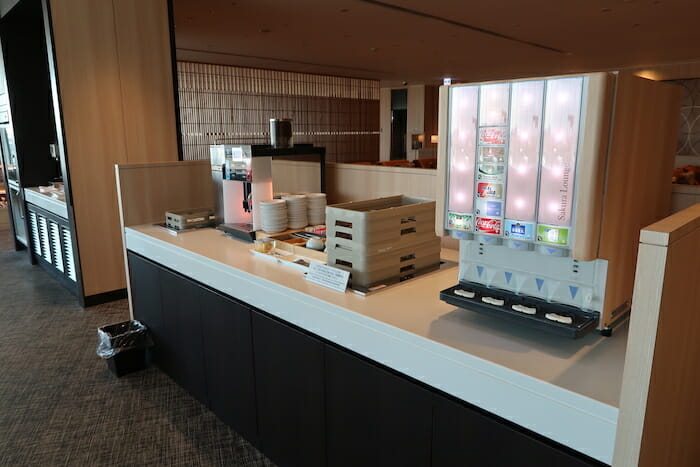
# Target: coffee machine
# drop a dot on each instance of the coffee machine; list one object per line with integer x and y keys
{"x": 242, "y": 177}
{"x": 241, "y": 181}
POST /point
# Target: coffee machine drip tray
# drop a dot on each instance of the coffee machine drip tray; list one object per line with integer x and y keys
{"x": 243, "y": 231}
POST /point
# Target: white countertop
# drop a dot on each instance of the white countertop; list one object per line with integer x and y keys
{"x": 53, "y": 201}
{"x": 566, "y": 390}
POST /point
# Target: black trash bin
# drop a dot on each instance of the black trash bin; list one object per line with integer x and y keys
{"x": 124, "y": 346}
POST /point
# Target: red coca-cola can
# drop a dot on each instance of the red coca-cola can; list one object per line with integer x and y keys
{"x": 488, "y": 225}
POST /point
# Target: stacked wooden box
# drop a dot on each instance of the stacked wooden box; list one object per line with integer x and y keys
{"x": 384, "y": 240}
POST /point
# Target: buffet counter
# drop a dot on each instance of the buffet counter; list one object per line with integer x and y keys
{"x": 565, "y": 390}
{"x": 53, "y": 201}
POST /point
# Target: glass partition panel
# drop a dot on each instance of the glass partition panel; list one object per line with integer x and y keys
{"x": 462, "y": 154}
{"x": 524, "y": 158}
{"x": 559, "y": 149}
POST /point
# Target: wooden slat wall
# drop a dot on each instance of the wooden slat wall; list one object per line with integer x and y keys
{"x": 659, "y": 408}
{"x": 226, "y": 104}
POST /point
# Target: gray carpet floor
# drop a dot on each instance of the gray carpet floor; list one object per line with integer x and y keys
{"x": 59, "y": 405}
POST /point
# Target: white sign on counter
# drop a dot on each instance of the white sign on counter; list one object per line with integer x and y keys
{"x": 327, "y": 276}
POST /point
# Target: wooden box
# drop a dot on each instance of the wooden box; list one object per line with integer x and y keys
{"x": 296, "y": 245}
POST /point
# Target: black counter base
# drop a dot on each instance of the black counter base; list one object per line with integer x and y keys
{"x": 305, "y": 401}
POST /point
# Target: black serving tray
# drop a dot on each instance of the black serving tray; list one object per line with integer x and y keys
{"x": 583, "y": 321}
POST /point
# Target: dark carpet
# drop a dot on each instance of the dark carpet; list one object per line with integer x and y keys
{"x": 59, "y": 405}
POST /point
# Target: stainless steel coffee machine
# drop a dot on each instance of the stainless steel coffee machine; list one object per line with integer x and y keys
{"x": 242, "y": 177}
{"x": 241, "y": 181}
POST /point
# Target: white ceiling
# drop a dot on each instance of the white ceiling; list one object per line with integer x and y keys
{"x": 422, "y": 41}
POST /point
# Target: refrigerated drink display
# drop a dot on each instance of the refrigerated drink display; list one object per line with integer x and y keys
{"x": 514, "y": 155}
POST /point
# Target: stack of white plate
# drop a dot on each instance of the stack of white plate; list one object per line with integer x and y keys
{"x": 273, "y": 215}
{"x": 316, "y": 208}
{"x": 296, "y": 211}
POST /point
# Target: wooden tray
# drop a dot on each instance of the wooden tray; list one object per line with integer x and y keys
{"x": 287, "y": 242}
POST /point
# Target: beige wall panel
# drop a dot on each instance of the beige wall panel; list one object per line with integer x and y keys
{"x": 672, "y": 420}
{"x": 117, "y": 103}
{"x": 352, "y": 182}
{"x": 659, "y": 407}
{"x": 638, "y": 188}
{"x": 591, "y": 167}
{"x": 88, "y": 73}
{"x": 291, "y": 176}
{"x": 147, "y": 191}
{"x": 146, "y": 80}
{"x": 348, "y": 182}
{"x": 640, "y": 353}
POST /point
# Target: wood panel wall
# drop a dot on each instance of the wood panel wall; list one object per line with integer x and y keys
{"x": 353, "y": 182}
{"x": 146, "y": 191}
{"x": 659, "y": 407}
{"x": 638, "y": 188}
{"x": 114, "y": 70}
{"x": 226, "y": 104}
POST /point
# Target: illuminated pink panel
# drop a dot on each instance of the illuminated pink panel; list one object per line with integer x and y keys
{"x": 559, "y": 147}
{"x": 524, "y": 151}
{"x": 462, "y": 148}
{"x": 494, "y": 104}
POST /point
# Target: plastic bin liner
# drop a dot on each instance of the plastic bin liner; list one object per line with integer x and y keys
{"x": 116, "y": 338}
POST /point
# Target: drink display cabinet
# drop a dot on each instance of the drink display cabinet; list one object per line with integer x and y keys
{"x": 547, "y": 182}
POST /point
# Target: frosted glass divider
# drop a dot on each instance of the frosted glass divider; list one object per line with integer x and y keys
{"x": 559, "y": 150}
{"x": 494, "y": 104}
{"x": 462, "y": 149}
{"x": 524, "y": 150}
